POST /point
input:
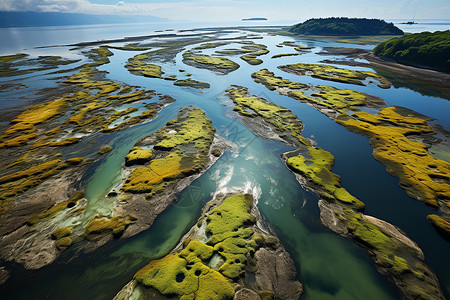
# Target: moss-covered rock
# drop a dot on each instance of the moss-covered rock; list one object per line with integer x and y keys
{"x": 63, "y": 243}
{"x": 189, "y": 272}
{"x": 214, "y": 63}
{"x": 327, "y": 72}
{"x": 104, "y": 149}
{"x": 192, "y": 83}
{"x": 138, "y": 156}
{"x": 315, "y": 165}
{"x": 423, "y": 176}
{"x": 102, "y": 225}
{"x": 397, "y": 259}
{"x": 441, "y": 224}
{"x": 181, "y": 150}
{"x": 280, "y": 118}
{"x": 327, "y": 99}
{"x": 61, "y": 233}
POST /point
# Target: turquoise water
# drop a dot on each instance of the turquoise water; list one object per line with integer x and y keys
{"x": 330, "y": 266}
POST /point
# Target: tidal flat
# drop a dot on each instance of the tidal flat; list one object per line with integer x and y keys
{"x": 221, "y": 163}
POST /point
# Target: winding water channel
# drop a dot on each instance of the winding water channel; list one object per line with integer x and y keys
{"x": 331, "y": 267}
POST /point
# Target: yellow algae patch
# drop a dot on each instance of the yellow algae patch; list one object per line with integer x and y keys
{"x": 17, "y": 183}
{"x": 331, "y": 73}
{"x": 116, "y": 225}
{"x": 326, "y": 96}
{"x": 217, "y": 63}
{"x": 181, "y": 149}
{"x": 195, "y": 129}
{"x": 441, "y": 224}
{"x": 145, "y": 179}
{"x": 281, "y": 118}
{"x": 422, "y": 176}
{"x": 41, "y": 112}
{"x": 138, "y": 155}
{"x": 187, "y": 273}
{"x": 340, "y": 99}
{"x": 138, "y": 66}
{"x": 270, "y": 81}
{"x": 315, "y": 165}
{"x": 24, "y": 124}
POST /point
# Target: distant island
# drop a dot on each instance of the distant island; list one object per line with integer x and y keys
{"x": 419, "y": 49}
{"x": 255, "y": 19}
{"x": 345, "y": 26}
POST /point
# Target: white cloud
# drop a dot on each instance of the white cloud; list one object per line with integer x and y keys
{"x": 225, "y": 10}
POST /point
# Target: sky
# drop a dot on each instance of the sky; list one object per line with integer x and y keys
{"x": 229, "y": 10}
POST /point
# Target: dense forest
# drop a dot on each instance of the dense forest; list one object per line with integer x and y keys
{"x": 423, "y": 49}
{"x": 345, "y": 26}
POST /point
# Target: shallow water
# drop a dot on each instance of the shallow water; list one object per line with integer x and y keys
{"x": 330, "y": 267}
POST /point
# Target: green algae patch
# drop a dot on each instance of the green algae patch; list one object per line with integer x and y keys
{"x": 53, "y": 211}
{"x": 441, "y": 224}
{"x": 214, "y": 63}
{"x": 61, "y": 233}
{"x": 100, "y": 225}
{"x": 12, "y": 58}
{"x": 315, "y": 165}
{"x": 285, "y": 54}
{"x": 341, "y": 100}
{"x": 104, "y": 149}
{"x": 130, "y": 47}
{"x": 253, "y": 51}
{"x": 23, "y": 127}
{"x": 421, "y": 175}
{"x": 282, "y": 119}
{"x": 148, "y": 114}
{"x": 303, "y": 48}
{"x": 181, "y": 150}
{"x": 187, "y": 274}
{"x": 137, "y": 65}
{"x": 327, "y": 99}
{"x": 63, "y": 243}
{"x": 192, "y": 83}
{"x": 270, "y": 81}
{"x": 401, "y": 262}
{"x": 138, "y": 156}
{"x": 172, "y": 275}
{"x": 217, "y": 254}
{"x": 331, "y": 73}
{"x": 209, "y": 46}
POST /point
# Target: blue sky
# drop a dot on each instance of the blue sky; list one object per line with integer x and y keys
{"x": 229, "y": 10}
